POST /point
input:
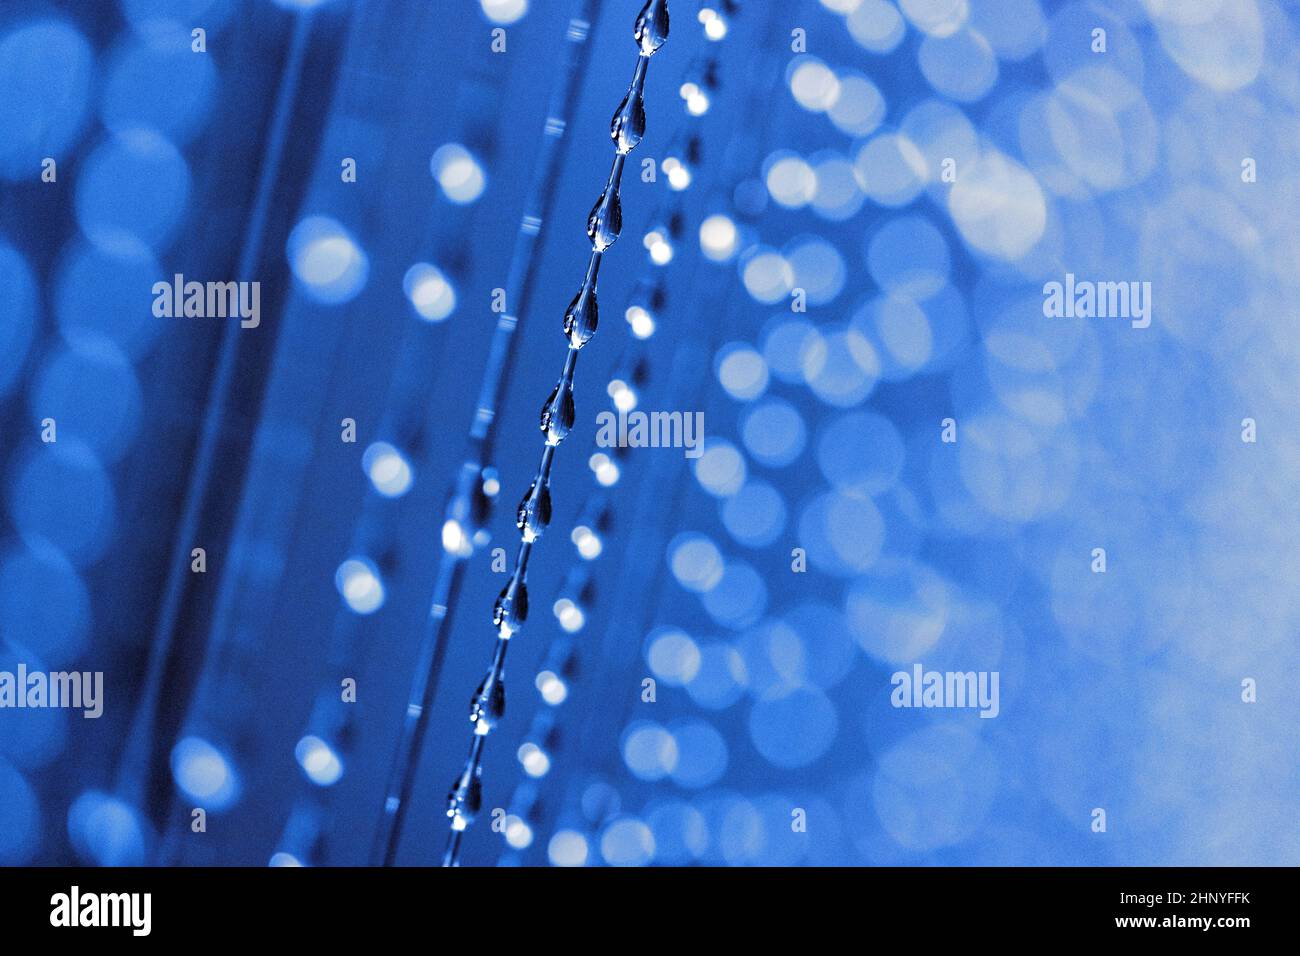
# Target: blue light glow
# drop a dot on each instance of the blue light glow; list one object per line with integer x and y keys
{"x": 326, "y": 259}
{"x": 204, "y": 773}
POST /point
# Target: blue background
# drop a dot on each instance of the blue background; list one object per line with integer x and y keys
{"x": 1121, "y": 691}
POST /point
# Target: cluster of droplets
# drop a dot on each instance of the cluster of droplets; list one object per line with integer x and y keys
{"x": 556, "y": 421}
{"x": 578, "y": 589}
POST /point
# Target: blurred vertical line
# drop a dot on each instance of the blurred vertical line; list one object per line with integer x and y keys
{"x": 523, "y": 264}
{"x": 133, "y": 769}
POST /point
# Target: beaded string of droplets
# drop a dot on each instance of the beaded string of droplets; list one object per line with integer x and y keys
{"x": 640, "y": 594}
{"x": 557, "y": 417}
{"x": 476, "y": 483}
{"x": 576, "y": 594}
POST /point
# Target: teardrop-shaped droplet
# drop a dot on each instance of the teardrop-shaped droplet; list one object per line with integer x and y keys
{"x": 628, "y": 125}
{"x": 511, "y": 607}
{"x": 534, "y": 511}
{"x": 606, "y": 220}
{"x": 651, "y": 28}
{"x": 488, "y": 705}
{"x": 582, "y": 316}
{"x": 558, "y": 413}
{"x": 465, "y": 799}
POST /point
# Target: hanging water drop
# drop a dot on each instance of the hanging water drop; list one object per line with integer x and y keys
{"x": 582, "y": 316}
{"x": 511, "y": 607}
{"x": 558, "y": 414}
{"x": 628, "y": 124}
{"x": 488, "y": 705}
{"x": 651, "y": 29}
{"x": 466, "y": 798}
{"x": 534, "y": 511}
{"x": 606, "y": 219}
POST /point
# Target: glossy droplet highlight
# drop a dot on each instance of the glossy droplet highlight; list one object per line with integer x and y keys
{"x": 511, "y": 607}
{"x": 488, "y": 705}
{"x": 534, "y": 511}
{"x": 628, "y": 125}
{"x": 558, "y": 413}
{"x": 582, "y": 316}
{"x": 651, "y": 28}
{"x": 606, "y": 219}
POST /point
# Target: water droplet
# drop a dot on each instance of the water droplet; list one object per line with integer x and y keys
{"x": 534, "y": 512}
{"x": 511, "y": 607}
{"x": 488, "y": 705}
{"x": 651, "y": 28}
{"x": 558, "y": 412}
{"x": 628, "y": 124}
{"x": 606, "y": 219}
{"x": 466, "y": 797}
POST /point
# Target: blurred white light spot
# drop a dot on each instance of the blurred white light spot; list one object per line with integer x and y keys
{"x": 326, "y": 259}
{"x": 774, "y": 432}
{"x": 357, "y": 580}
{"x": 534, "y": 760}
{"x": 678, "y": 173}
{"x": 961, "y": 66}
{"x": 697, "y": 100}
{"x": 627, "y": 842}
{"x": 1218, "y": 44}
{"x": 387, "y": 469}
{"x": 455, "y": 540}
{"x": 742, "y": 371}
{"x": 767, "y": 275}
{"x": 695, "y": 561}
{"x": 721, "y": 469}
{"x": 504, "y": 11}
{"x": 605, "y": 469}
{"x": 790, "y": 180}
{"x": 859, "y": 108}
{"x": 718, "y": 238}
{"x": 659, "y": 246}
{"x": 567, "y": 848}
{"x": 458, "y": 173}
{"x": 569, "y": 615}
{"x": 518, "y": 833}
{"x": 673, "y": 657}
{"x": 622, "y": 394}
{"x": 785, "y": 346}
{"x": 890, "y": 169}
{"x": 938, "y": 18}
{"x": 998, "y": 207}
{"x": 318, "y": 761}
{"x": 876, "y": 25}
{"x": 649, "y": 750}
{"x": 715, "y": 25}
{"x": 642, "y": 322}
{"x": 818, "y": 268}
{"x": 553, "y": 690}
{"x": 587, "y": 542}
{"x": 203, "y": 773}
{"x": 429, "y": 291}
{"x": 813, "y": 84}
